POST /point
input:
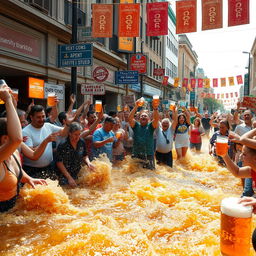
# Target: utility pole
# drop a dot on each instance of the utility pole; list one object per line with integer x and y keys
{"x": 141, "y": 75}
{"x": 74, "y": 41}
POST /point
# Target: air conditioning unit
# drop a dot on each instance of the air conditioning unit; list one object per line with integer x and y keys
{"x": 43, "y": 5}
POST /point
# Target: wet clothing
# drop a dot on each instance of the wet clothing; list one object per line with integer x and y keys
{"x": 181, "y": 136}
{"x": 9, "y": 187}
{"x": 165, "y": 158}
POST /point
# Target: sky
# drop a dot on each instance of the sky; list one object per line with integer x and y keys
{"x": 220, "y": 50}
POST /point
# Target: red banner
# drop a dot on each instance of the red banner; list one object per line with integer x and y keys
{"x": 185, "y": 82}
{"x": 158, "y": 71}
{"x": 211, "y": 14}
{"x": 227, "y": 95}
{"x": 157, "y": 19}
{"x": 215, "y": 82}
{"x": 129, "y": 17}
{"x": 218, "y": 95}
{"x": 249, "y": 102}
{"x": 102, "y": 20}
{"x": 138, "y": 62}
{"x": 185, "y": 16}
{"x": 200, "y": 83}
{"x": 165, "y": 80}
{"x": 236, "y": 94}
{"x": 203, "y": 94}
{"x": 193, "y": 83}
{"x": 238, "y": 12}
{"x": 231, "y": 95}
{"x": 239, "y": 79}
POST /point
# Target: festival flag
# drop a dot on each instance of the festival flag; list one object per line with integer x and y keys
{"x": 213, "y": 96}
{"x": 193, "y": 83}
{"x": 129, "y": 17}
{"x": 227, "y": 94}
{"x": 206, "y": 83}
{"x": 165, "y": 80}
{"x": 185, "y": 83}
{"x": 102, "y": 20}
{"x": 218, "y": 95}
{"x": 238, "y": 12}
{"x": 189, "y": 87}
{"x": 176, "y": 81}
{"x": 231, "y": 95}
{"x": 223, "y": 82}
{"x": 211, "y": 14}
{"x": 185, "y": 16}
{"x": 157, "y": 19}
{"x": 222, "y": 95}
{"x": 208, "y": 95}
{"x": 215, "y": 82}
{"x": 231, "y": 80}
{"x": 200, "y": 83}
{"x": 236, "y": 94}
{"x": 239, "y": 79}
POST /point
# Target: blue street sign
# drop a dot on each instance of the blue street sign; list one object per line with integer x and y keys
{"x": 127, "y": 77}
{"x": 75, "y": 55}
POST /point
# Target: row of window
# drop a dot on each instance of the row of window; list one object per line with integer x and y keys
{"x": 170, "y": 44}
{"x": 171, "y": 69}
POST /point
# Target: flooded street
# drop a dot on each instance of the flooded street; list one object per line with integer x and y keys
{"x": 124, "y": 211}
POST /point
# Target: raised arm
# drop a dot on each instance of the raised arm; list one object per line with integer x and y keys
{"x": 187, "y": 115}
{"x": 155, "y": 121}
{"x": 72, "y": 99}
{"x": 131, "y": 119}
{"x": 174, "y": 118}
{"x": 248, "y": 140}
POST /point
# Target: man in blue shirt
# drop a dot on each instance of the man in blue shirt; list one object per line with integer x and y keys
{"x": 103, "y": 139}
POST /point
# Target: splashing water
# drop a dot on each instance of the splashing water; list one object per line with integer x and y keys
{"x": 124, "y": 210}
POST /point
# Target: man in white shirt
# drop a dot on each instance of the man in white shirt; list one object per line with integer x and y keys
{"x": 35, "y": 133}
{"x": 164, "y": 140}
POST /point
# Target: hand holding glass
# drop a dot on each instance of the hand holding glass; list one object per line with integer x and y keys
{"x": 98, "y": 106}
{"x": 51, "y": 99}
{"x": 221, "y": 145}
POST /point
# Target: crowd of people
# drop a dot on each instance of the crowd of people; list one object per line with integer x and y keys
{"x": 37, "y": 144}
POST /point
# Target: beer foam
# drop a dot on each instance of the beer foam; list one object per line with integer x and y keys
{"x": 232, "y": 208}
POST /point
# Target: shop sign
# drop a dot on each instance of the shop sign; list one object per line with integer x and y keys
{"x": 100, "y": 74}
{"x": 92, "y": 89}
{"x": 138, "y": 62}
{"x": 158, "y": 71}
{"x": 75, "y": 55}
{"x": 35, "y": 88}
{"x": 127, "y": 77}
{"x": 56, "y": 88}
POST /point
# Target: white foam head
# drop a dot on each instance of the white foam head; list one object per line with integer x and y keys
{"x": 232, "y": 208}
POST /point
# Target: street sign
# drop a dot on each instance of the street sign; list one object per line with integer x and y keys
{"x": 158, "y": 72}
{"x": 127, "y": 77}
{"x": 100, "y": 74}
{"x": 138, "y": 62}
{"x": 75, "y": 55}
{"x": 92, "y": 89}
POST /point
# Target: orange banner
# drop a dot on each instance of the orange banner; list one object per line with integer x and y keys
{"x": 176, "y": 81}
{"x": 207, "y": 83}
{"x": 223, "y": 82}
{"x": 231, "y": 80}
{"x": 35, "y": 88}
{"x": 211, "y": 14}
{"x": 186, "y": 16}
{"x": 129, "y": 17}
{"x": 102, "y": 20}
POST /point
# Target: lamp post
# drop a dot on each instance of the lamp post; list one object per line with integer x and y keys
{"x": 141, "y": 76}
{"x": 247, "y": 88}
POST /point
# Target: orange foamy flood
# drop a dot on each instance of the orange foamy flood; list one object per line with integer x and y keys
{"x": 235, "y": 228}
{"x": 124, "y": 210}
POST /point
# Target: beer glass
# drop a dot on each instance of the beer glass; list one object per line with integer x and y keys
{"x": 118, "y": 134}
{"x": 15, "y": 93}
{"x": 235, "y": 233}
{"x": 51, "y": 99}
{"x": 141, "y": 102}
{"x": 126, "y": 108}
{"x": 119, "y": 109}
{"x": 221, "y": 145}
{"x": 156, "y": 101}
{"x": 98, "y": 106}
{"x": 172, "y": 106}
{"x": 2, "y": 83}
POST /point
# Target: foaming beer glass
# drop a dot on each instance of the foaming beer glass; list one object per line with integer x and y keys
{"x": 141, "y": 102}
{"x": 119, "y": 109}
{"x": 51, "y": 99}
{"x": 172, "y": 105}
{"x": 15, "y": 93}
{"x": 98, "y": 106}
{"x": 156, "y": 101}
{"x": 118, "y": 134}
{"x": 221, "y": 145}
{"x": 235, "y": 228}
{"x": 2, "y": 83}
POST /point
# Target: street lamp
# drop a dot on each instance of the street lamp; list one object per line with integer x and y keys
{"x": 247, "y": 88}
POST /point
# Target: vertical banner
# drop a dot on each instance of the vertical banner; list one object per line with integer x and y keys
{"x": 238, "y": 12}
{"x": 193, "y": 83}
{"x": 202, "y": 95}
{"x": 157, "y": 19}
{"x": 239, "y": 79}
{"x": 165, "y": 80}
{"x": 218, "y": 95}
{"x": 129, "y": 18}
{"x": 185, "y": 16}
{"x": 206, "y": 83}
{"x": 231, "y": 81}
{"x": 211, "y": 14}
{"x": 223, "y": 82}
{"x": 222, "y": 95}
{"x": 102, "y": 20}
{"x": 215, "y": 82}
{"x": 213, "y": 95}
{"x": 200, "y": 83}
{"x": 185, "y": 82}
{"x": 231, "y": 95}
{"x": 236, "y": 94}
{"x": 227, "y": 95}
{"x": 176, "y": 81}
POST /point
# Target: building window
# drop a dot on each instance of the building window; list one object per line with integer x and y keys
{"x": 150, "y": 68}
{"x": 42, "y": 5}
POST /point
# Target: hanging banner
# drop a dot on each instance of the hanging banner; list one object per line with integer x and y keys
{"x": 231, "y": 81}
{"x": 211, "y": 14}
{"x": 222, "y": 95}
{"x": 186, "y": 16}
{"x": 157, "y": 19}
{"x": 218, "y": 95}
{"x": 239, "y": 79}
{"x": 236, "y": 94}
{"x": 213, "y": 95}
{"x": 185, "y": 83}
{"x": 193, "y": 83}
{"x": 206, "y": 83}
{"x": 215, "y": 82}
{"x": 165, "y": 80}
{"x": 176, "y": 81}
{"x": 238, "y": 12}
{"x": 223, "y": 82}
{"x": 231, "y": 95}
{"x": 129, "y": 17}
{"x": 200, "y": 83}
{"x": 227, "y": 95}
{"x": 158, "y": 71}
{"x": 102, "y": 20}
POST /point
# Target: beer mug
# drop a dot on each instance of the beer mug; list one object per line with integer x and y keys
{"x": 141, "y": 102}
{"x": 15, "y": 93}
{"x": 118, "y": 134}
{"x": 221, "y": 145}
{"x": 156, "y": 101}
{"x": 235, "y": 233}
{"x": 119, "y": 109}
{"x": 51, "y": 99}
{"x": 2, "y": 83}
{"x": 98, "y": 106}
{"x": 172, "y": 105}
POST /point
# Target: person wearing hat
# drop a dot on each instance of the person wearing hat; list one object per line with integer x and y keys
{"x": 104, "y": 138}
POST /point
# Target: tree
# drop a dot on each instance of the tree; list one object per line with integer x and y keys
{"x": 212, "y": 105}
